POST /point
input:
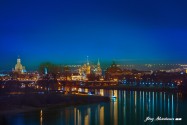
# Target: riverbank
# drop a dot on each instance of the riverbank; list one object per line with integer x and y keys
{"x": 30, "y": 102}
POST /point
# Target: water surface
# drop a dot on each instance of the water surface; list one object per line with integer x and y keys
{"x": 128, "y": 108}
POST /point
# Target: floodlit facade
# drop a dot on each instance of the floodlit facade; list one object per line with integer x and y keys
{"x": 88, "y": 69}
{"x": 18, "y": 67}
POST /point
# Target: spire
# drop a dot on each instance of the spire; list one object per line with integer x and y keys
{"x": 98, "y": 63}
{"x": 87, "y": 61}
{"x": 114, "y": 64}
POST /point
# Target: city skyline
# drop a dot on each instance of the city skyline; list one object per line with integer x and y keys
{"x": 94, "y": 63}
{"x": 65, "y": 32}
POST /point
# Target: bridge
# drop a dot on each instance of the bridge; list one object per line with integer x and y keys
{"x": 51, "y": 85}
{"x": 67, "y": 82}
{"x": 55, "y": 84}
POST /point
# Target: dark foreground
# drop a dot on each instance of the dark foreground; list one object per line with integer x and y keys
{"x": 29, "y": 102}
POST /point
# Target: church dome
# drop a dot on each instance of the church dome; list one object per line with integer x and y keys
{"x": 18, "y": 67}
{"x": 114, "y": 69}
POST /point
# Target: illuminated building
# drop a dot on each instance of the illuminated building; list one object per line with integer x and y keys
{"x": 76, "y": 76}
{"x": 18, "y": 67}
{"x": 88, "y": 69}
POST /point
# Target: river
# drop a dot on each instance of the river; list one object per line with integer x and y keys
{"x": 128, "y": 108}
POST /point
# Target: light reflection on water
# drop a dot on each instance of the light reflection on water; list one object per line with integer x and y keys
{"x": 41, "y": 117}
{"x": 129, "y": 107}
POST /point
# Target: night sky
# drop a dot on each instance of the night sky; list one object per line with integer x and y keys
{"x": 65, "y": 32}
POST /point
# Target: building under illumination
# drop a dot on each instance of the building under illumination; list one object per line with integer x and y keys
{"x": 18, "y": 67}
{"x": 76, "y": 77}
{"x": 88, "y": 69}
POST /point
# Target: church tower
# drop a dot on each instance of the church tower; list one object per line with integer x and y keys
{"x": 98, "y": 70}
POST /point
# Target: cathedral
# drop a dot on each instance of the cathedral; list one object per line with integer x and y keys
{"x": 86, "y": 70}
{"x": 18, "y": 67}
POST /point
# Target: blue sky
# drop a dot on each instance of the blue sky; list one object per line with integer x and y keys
{"x": 129, "y": 31}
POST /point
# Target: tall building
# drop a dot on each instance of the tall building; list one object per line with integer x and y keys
{"x": 18, "y": 67}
